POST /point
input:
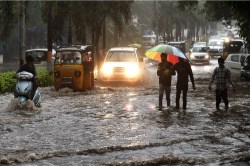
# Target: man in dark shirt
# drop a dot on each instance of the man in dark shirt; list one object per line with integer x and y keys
{"x": 30, "y": 67}
{"x": 184, "y": 70}
{"x": 165, "y": 75}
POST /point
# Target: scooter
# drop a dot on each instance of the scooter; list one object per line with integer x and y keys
{"x": 23, "y": 90}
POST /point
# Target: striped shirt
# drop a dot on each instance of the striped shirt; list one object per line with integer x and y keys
{"x": 221, "y": 76}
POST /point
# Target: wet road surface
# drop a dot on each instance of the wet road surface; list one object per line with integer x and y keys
{"x": 120, "y": 125}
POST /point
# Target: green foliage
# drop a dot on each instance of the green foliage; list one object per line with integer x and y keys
{"x": 45, "y": 78}
{"x": 7, "y": 82}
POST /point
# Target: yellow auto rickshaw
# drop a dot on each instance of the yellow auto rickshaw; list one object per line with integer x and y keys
{"x": 74, "y": 67}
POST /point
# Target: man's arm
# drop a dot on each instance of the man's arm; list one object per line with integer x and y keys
{"x": 172, "y": 68}
{"x": 191, "y": 75}
{"x": 229, "y": 79}
{"x": 212, "y": 79}
{"x": 160, "y": 70}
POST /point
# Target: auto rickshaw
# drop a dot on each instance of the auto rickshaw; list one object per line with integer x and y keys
{"x": 74, "y": 67}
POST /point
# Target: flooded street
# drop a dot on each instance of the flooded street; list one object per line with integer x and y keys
{"x": 120, "y": 125}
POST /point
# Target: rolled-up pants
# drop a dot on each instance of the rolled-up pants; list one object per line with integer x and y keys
{"x": 164, "y": 88}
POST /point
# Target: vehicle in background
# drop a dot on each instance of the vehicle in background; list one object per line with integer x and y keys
{"x": 40, "y": 56}
{"x": 233, "y": 63}
{"x": 199, "y": 54}
{"x": 233, "y": 46}
{"x": 200, "y": 44}
{"x": 224, "y": 35}
{"x": 245, "y": 69}
{"x": 215, "y": 47}
{"x": 74, "y": 67}
{"x": 214, "y": 37}
{"x": 148, "y": 41}
{"x": 181, "y": 45}
{"x": 123, "y": 64}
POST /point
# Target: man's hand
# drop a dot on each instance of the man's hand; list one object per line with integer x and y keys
{"x": 209, "y": 87}
{"x": 234, "y": 90}
{"x": 194, "y": 86}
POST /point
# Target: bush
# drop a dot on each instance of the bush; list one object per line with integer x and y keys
{"x": 45, "y": 78}
{"x": 8, "y": 83}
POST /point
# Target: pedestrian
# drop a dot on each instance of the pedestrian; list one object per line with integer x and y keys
{"x": 165, "y": 75}
{"x": 184, "y": 70}
{"x": 220, "y": 75}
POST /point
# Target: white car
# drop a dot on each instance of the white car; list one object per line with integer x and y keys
{"x": 200, "y": 44}
{"x": 233, "y": 63}
{"x": 215, "y": 47}
{"x": 199, "y": 54}
{"x": 40, "y": 56}
{"x": 123, "y": 64}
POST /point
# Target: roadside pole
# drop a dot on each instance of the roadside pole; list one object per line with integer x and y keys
{"x": 22, "y": 32}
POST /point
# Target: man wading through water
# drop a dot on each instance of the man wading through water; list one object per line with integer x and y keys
{"x": 220, "y": 75}
{"x": 165, "y": 75}
{"x": 184, "y": 70}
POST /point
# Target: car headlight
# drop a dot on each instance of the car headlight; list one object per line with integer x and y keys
{"x": 207, "y": 56}
{"x": 107, "y": 70}
{"x": 132, "y": 70}
{"x": 192, "y": 56}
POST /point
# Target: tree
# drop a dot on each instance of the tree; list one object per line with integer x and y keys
{"x": 230, "y": 10}
{"x": 11, "y": 13}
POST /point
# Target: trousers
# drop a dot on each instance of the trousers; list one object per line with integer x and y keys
{"x": 164, "y": 88}
{"x": 221, "y": 95}
{"x": 184, "y": 97}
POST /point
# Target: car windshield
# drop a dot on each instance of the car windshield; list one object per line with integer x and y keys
{"x": 121, "y": 56}
{"x": 68, "y": 57}
{"x": 199, "y": 49}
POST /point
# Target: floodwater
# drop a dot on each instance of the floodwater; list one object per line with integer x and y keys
{"x": 120, "y": 125}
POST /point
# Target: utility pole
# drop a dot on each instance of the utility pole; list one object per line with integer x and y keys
{"x": 22, "y": 32}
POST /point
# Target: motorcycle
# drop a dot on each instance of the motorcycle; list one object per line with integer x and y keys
{"x": 23, "y": 90}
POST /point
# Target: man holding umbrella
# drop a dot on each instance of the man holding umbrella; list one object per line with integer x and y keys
{"x": 184, "y": 70}
{"x": 165, "y": 75}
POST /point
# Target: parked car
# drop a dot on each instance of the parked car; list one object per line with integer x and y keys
{"x": 245, "y": 69}
{"x": 123, "y": 64}
{"x": 233, "y": 63}
{"x": 40, "y": 56}
{"x": 199, "y": 54}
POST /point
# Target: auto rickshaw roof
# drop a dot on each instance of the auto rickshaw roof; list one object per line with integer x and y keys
{"x": 76, "y": 48}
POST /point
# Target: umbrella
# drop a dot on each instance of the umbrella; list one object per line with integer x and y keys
{"x": 173, "y": 53}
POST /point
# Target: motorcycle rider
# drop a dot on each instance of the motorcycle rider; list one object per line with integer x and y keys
{"x": 30, "y": 67}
